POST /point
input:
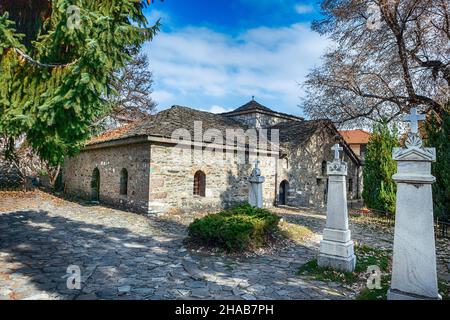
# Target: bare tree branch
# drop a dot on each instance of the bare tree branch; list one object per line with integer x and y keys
{"x": 380, "y": 72}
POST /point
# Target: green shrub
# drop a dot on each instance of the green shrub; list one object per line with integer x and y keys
{"x": 438, "y": 133}
{"x": 236, "y": 229}
{"x": 43, "y": 173}
{"x": 379, "y": 188}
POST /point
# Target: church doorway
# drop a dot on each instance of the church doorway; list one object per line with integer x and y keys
{"x": 284, "y": 187}
{"x": 95, "y": 185}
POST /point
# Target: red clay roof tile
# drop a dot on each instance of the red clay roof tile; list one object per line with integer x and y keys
{"x": 357, "y": 136}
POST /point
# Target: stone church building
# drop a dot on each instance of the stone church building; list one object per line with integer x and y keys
{"x": 137, "y": 166}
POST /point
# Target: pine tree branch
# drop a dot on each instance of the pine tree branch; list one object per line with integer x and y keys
{"x": 40, "y": 64}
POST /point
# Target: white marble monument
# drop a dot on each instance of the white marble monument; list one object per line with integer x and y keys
{"x": 336, "y": 248}
{"x": 414, "y": 263}
{"x": 255, "y": 193}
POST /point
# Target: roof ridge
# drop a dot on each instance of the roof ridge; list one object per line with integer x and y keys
{"x": 255, "y": 105}
{"x": 218, "y": 115}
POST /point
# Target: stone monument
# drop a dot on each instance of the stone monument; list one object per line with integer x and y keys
{"x": 255, "y": 193}
{"x": 336, "y": 248}
{"x": 414, "y": 264}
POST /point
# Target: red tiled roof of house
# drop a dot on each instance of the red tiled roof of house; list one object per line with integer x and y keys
{"x": 357, "y": 136}
{"x": 112, "y": 134}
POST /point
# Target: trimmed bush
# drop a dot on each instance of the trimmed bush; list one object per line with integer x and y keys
{"x": 240, "y": 228}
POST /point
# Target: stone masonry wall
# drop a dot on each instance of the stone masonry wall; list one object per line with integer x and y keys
{"x": 258, "y": 120}
{"x": 135, "y": 158}
{"x": 172, "y": 181}
{"x": 161, "y": 182}
{"x": 303, "y": 170}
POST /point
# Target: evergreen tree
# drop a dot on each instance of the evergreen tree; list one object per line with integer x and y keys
{"x": 52, "y": 87}
{"x": 379, "y": 188}
{"x": 438, "y": 136}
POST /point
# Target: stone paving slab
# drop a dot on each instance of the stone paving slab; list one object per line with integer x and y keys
{"x": 124, "y": 255}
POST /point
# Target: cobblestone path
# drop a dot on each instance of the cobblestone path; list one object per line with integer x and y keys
{"x": 124, "y": 255}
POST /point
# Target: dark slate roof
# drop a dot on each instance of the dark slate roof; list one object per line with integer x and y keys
{"x": 295, "y": 133}
{"x": 252, "y": 106}
{"x": 298, "y": 132}
{"x": 164, "y": 123}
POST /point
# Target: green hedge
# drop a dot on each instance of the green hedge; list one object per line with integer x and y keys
{"x": 240, "y": 228}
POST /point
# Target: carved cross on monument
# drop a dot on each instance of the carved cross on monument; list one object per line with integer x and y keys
{"x": 336, "y": 148}
{"x": 336, "y": 247}
{"x": 414, "y": 272}
{"x": 414, "y": 118}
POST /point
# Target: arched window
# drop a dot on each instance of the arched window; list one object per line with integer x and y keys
{"x": 284, "y": 190}
{"x": 95, "y": 185}
{"x": 124, "y": 182}
{"x": 324, "y": 167}
{"x": 199, "y": 183}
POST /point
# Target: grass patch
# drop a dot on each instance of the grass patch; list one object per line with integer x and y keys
{"x": 365, "y": 257}
{"x": 444, "y": 290}
{"x": 237, "y": 229}
{"x": 381, "y": 294}
{"x": 295, "y": 232}
{"x": 312, "y": 269}
{"x": 376, "y": 294}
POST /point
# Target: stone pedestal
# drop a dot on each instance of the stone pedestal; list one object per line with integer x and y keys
{"x": 255, "y": 193}
{"x": 336, "y": 248}
{"x": 414, "y": 263}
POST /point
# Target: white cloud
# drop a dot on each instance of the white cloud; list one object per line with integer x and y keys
{"x": 304, "y": 8}
{"x": 162, "y": 96}
{"x": 193, "y": 65}
{"x": 218, "y": 109}
{"x": 156, "y": 15}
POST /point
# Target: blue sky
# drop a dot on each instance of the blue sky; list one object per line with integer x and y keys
{"x": 215, "y": 55}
